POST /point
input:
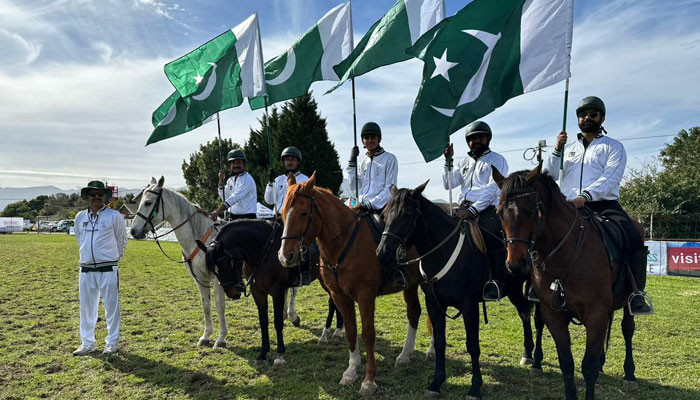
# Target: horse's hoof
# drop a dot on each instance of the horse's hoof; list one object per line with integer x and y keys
{"x": 296, "y": 321}
{"x": 430, "y": 356}
{"x": 630, "y": 386}
{"x": 402, "y": 362}
{"x": 339, "y": 333}
{"x": 202, "y": 342}
{"x": 472, "y": 398}
{"x": 429, "y": 394}
{"x": 368, "y": 388}
{"x": 220, "y": 345}
{"x": 279, "y": 363}
{"x": 259, "y": 363}
{"x": 322, "y": 340}
{"x": 536, "y": 372}
{"x": 526, "y": 361}
{"x": 347, "y": 380}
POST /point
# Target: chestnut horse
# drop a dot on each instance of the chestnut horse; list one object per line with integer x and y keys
{"x": 572, "y": 275}
{"x": 350, "y": 269}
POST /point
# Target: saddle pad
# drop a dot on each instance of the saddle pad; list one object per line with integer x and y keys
{"x": 613, "y": 235}
{"x": 477, "y": 237}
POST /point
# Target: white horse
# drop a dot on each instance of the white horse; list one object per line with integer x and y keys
{"x": 190, "y": 223}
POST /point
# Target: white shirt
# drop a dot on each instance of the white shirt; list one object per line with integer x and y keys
{"x": 240, "y": 194}
{"x": 475, "y": 179}
{"x": 594, "y": 172}
{"x": 101, "y": 237}
{"x": 279, "y": 188}
{"x": 375, "y": 177}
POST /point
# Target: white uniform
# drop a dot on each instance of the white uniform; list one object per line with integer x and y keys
{"x": 375, "y": 177}
{"x": 279, "y": 188}
{"x": 240, "y": 194}
{"x": 594, "y": 171}
{"x": 475, "y": 179}
{"x": 102, "y": 240}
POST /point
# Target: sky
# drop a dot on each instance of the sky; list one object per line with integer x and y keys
{"x": 79, "y": 80}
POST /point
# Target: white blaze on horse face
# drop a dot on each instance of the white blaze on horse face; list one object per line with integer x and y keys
{"x": 513, "y": 209}
{"x": 280, "y": 253}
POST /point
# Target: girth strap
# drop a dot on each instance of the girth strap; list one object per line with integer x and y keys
{"x": 204, "y": 240}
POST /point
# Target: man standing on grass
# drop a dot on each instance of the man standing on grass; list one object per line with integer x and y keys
{"x": 101, "y": 235}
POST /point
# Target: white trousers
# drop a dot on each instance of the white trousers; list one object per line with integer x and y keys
{"x": 92, "y": 286}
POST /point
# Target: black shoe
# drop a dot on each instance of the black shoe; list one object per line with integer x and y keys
{"x": 532, "y": 296}
{"x": 492, "y": 292}
{"x": 638, "y": 304}
{"x": 305, "y": 278}
{"x": 398, "y": 279}
{"x": 295, "y": 279}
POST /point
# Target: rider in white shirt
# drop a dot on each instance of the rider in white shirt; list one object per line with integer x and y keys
{"x": 239, "y": 194}
{"x": 593, "y": 168}
{"x": 479, "y": 197}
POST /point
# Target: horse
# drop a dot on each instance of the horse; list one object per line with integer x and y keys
{"x": 159, "y": 204}
{"x": 350, "y": 269}
{"x": 454, "y": 272}
{"x": 251, "y": 245}
{"x": 558, "y": 247}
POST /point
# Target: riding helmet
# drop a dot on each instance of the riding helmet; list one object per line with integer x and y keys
{"x": 291, "y": 151}
{"x": 478, "y": 128}
{"x": 236, "y": 154}
{"x": 591, "y": 102}
{"x": 371, "y": 128}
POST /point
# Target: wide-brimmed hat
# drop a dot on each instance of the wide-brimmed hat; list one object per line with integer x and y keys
{"x": 96, "y": 185}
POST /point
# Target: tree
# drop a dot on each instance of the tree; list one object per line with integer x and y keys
{"x": 201, "y": 173}
{"x": 298, "y": 124}
{"x": 19, "y": 209}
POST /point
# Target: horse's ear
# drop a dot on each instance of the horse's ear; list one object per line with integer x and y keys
{"x": 534, "y": 175}
{"x": 497, "y": 177}
{"x": 393, "y": 189}
{"x": 419, "y": 190}
{"x": 153, "y": 180}
{"x": 291, "y": 180}
{"x": 312, "y": 181}
{"x": 161, "y": 181}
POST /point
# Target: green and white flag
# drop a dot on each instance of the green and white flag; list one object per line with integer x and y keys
{"x": 487, "y": 53}
{"x": 170, "y": 119}
{"x": 310, "y": 59}
{"x": 387, "y": 40}
{"x": 220, "y": 73}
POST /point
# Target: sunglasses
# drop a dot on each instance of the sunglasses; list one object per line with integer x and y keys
{"x": 100, "y": 194}
{"x": 589, "y": 114}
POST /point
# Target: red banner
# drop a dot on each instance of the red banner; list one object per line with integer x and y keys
{"x": 684, "y": 259}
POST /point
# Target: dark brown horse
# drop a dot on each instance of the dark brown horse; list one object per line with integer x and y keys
{"x": 249, "y": 248}
{"x": 350, "y": 268}
{"x": 548, "y": 238}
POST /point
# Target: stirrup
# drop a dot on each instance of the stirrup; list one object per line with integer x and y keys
{"x": 532, "y": 296}
{"x": 498, "y": 291}
{"x": 645, "y": 298}
{"x": 403, "y": 279}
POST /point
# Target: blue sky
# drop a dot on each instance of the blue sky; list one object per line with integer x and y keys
{"x": 79, "y": 80}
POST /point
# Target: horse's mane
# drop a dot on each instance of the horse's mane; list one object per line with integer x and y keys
{"x": 294, "y": 190}
{"x": 248, "y": 222}
{"x": 435, "y": 211}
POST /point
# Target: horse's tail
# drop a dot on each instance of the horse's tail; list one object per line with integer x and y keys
{"x": 607, "y": 338}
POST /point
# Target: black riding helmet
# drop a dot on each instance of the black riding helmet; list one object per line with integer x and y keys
{"x": 236, "y": 154}
{"x": 478, "y": 128}
{"x": 291, "y": 151}
{"x": 591, "y": 103}
{"x": 371, "y": 128}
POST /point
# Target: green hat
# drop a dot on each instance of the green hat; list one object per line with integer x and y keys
{"x": 371, "y": 128}
{"x": 236, "y": 154}
{"x": 291, "y": 151}
{"x": 96, "y": 185}
{"x": 591, "y": 102}
{"x": 478, "y": 128}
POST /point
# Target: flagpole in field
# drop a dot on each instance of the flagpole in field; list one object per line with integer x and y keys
{"x": 561, "y": 158}
{"x": 269, "y": 153}
{"x": 354, "y": 130}
{"x": 221, "y": 151}
{"x": 449, "y": 178}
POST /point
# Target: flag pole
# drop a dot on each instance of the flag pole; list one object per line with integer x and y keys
{"x": 561, "y": 156}
{"x": 449, "y": 178}
{"x": 221, "y": 150}
{"x": 354, "y": 129}
{"x": 269, "y": 153}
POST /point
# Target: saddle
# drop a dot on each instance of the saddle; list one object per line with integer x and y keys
{"x": 376, "y": 224}
{"x": 608, "y": 224}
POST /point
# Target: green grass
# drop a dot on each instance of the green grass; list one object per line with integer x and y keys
{"x": 162, "y": 320}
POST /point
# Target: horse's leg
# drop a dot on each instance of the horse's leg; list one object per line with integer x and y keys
{"x": 347, "y": 307}
{"x": 628, "y": 325}
{"x": 292, "y": 310}
{"x": 471, "y": 325}
{"x": 206, "y": 308}
{"x": 430, "y": 353}
{"x": 514, "y": 290}
{"x": 410, "y": 297}
{"x": 332, "y": 309}
{"x": 338, "y": 333}
{"x": 366, "y": 303}
{"x": 278, "y": 310}
{"x": 596, "y": 327}
{"x": 438, "y": 343}
{"x": 220, "y": 298}
{"x": 559, "y": 329}
{"x": 536, "y": 369}
{"x": 261, "y": 302}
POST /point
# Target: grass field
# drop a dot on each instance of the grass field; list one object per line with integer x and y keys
{"x": 162, "y": 320}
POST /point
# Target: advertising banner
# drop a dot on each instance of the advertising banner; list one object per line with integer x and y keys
{"x": 683, "y": 258}
{"x": 656, "y": 259}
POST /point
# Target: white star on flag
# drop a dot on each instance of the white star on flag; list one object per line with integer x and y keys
{"x": 442, "y": 66}
{"x": 198, "y": 79}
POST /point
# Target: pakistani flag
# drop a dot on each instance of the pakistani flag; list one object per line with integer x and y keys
{"x": 216, "y": 76}
{"x": 387, "y": 40}
{"x": 170, "y": 119}
{"x": 487, "y": 53}
{"x": 310, "y": 59}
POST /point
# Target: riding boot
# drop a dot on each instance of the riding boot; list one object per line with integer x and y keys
{"x": 398, "y": 278}
{"x": 305, "y": 271}
{"x": 639, "y": 302}
{"x": 295, "y": 277}
{"x": 493, "y": 288}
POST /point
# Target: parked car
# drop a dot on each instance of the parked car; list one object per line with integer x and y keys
{"x": 63, "y": 226}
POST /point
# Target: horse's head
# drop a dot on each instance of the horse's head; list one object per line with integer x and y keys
{"x": 401, "y": 216}
{"x": 226, "y": 265}
{"x": 149, "y": 213}
{"x": 520, "y": 209}
{"x": 300, "y": 226}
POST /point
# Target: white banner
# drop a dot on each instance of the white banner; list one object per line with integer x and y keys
{"x": 656, "y": 259}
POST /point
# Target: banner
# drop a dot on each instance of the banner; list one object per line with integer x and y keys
{"x": 656, "y": 259}
{"x": 683, "y": 258}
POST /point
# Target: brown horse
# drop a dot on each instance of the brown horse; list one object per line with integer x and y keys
{"x": 350, "y": 268}
{"x": 571, "y": 275}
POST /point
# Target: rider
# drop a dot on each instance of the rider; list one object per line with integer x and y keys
{"x": 275, "y": 192}
{"x": 479, "y": 197}
{"x": 377, "y": 172}
{"x": 239, "y": 195}
{"x": 593, "y": 168}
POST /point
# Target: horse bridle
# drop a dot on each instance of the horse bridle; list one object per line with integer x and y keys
{"x": 403, "y": 246}
{"x": 525, "y": 192}
{"x": 154, "y": 211}
{"x": 303, "y": 249}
